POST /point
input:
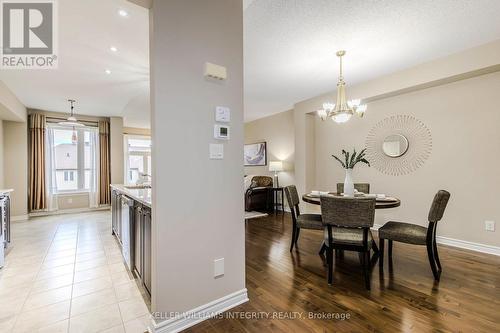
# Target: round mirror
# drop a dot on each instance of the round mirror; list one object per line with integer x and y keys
{"x": 395, "y": 145}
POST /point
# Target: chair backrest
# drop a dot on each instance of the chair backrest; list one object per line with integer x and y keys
{"x": 262, "y": 181}
{"x": 360, "y": 187}
{"x": 438, "y": 206}
{"x": 292, "y": 196}
{"x": 347, "y": 212}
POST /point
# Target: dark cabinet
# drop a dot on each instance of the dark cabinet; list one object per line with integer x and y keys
{"x": 147, "y": 249}
{"x": 142, "y": 246}
{"x": 131, "y": 225}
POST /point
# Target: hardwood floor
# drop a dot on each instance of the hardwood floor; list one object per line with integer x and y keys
{"x": 402, "y": 299}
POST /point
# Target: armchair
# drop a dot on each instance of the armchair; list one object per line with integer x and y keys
{"x": 258, "y": 196}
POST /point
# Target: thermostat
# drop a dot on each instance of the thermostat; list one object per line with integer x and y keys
{"x": 221, "y": 132}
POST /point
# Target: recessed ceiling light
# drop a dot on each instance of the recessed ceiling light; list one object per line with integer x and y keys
{"x": 113, "y": 49}
{"x": 107, "y": 71}
{"x": 123, "y": 13}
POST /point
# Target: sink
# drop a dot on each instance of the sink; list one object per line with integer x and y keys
{"x": 137, "y": 187}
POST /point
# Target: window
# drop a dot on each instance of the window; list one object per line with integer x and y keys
{"x": 72, "y": 157}
{"x": 138, "y": 157}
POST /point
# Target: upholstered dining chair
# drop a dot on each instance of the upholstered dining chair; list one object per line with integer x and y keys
{"x": 360, "y": 187}
{"x": 347, "y": 227}
{"x": 300, "y": 221}
{"x": 416, "y": 234}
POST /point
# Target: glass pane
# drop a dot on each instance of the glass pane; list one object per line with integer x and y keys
{"x": 139, "y": 144}
{"x": 66, "y": 158}
{"x": 136, "y": 165}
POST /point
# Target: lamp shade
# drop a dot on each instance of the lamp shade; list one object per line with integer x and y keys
{"x": 276, "y": 166}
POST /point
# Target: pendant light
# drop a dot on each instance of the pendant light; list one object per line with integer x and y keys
{"x": 71, "y": 121}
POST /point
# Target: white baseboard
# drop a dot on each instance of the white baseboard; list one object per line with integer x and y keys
{"x": 461, "y": 244}
{"x": 19, "y": 218}
{"x": 190, "y": 318}
{"x": 489, "y": 249}
{"x": 69, "y": 211}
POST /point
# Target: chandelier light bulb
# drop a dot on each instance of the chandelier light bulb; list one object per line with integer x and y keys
{"x": 322, "y": 114}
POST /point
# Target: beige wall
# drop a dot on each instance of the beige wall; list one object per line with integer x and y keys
{"x": 137, "y": 131}
{"x": 197, "y": 202}
{"x": 116, "y": 150}
{"x": 278, "y": 131}
{"x": 465, "y": 153}
{"x": 442, "y": 94}
{"x": 73, "y": 201}
{"x": 16, "y": 165}
{"x": 10, "y": 107}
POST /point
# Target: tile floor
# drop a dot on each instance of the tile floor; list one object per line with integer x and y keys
{"x": 65, "y": 273}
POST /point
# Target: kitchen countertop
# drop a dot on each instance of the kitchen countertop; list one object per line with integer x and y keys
{"x": 141, "y": 195}
{"x": 6, "y": 191}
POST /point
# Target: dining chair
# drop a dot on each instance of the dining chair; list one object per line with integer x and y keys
{"x": 347, "y": 227}
{"x": 417, "y": 234}
{"x": 360, "y": 187}
{"x": 300, "y": 221}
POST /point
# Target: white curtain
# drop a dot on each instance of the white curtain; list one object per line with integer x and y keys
{"x": 50, "y": 170}
{"x": 94, "y": 174}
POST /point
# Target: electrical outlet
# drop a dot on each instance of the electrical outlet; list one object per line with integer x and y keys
{"x": 218, "y": 267}
{"x": 489, "y": 225}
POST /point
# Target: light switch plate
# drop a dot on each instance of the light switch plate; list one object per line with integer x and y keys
{"x": 222, "y": 114}
{"x": 216, "y": 151}
{"x": 218, "y": 267}
{"x": 489, "y": 225}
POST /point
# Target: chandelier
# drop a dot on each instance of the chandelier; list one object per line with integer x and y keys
{"x": 342, "y": 110}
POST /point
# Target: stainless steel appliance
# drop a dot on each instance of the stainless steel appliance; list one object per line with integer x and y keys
{"x": 4, "y": 226}
{"x": 127, "y": 219}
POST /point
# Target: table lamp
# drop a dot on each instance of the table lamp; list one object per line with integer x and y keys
{"x": 276, "y": 166}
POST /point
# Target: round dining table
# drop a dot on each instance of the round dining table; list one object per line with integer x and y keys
{"x": 380, "y": 203}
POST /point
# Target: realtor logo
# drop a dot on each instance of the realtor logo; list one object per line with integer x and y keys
{"x": 28, "y": 34}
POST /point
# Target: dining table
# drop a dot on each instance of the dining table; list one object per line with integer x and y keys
{"x": 381, "y": 202}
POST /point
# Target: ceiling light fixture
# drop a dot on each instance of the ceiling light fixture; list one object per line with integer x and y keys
{"x": 123, "y": 13}
{"x": 71, "y": 121}
{"x": 113, "y": 49}
{"x": 107, "y": 71}
{"x": 342, "y": 110}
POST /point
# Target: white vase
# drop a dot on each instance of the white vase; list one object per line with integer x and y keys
{"x": 348, "y": 183}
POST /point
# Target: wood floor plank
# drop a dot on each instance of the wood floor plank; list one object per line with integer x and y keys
{"x": 403, "y": 298}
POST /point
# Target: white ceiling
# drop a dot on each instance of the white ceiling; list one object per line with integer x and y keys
{"x": 290, "y": 45}
{"x": 289, "y": 50}
{"x": 87, "y": 30}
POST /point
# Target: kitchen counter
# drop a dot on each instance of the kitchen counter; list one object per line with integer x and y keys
{"x": 141, "y": 195}
{"x": 6, "y": 191}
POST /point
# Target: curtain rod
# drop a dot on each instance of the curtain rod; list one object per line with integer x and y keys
{"x": 52, "y": 119}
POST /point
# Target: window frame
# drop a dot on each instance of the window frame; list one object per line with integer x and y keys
{"x": 80, "y": 158}
{"x": 128, "y": 153}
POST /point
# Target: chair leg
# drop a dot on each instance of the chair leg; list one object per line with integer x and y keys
{"x": 381, "y": 253}
{"x": 364, "y": 258}
{"x": 297, "y": 236}
{"x": 329, "y": 260}
{"x": 432, "y": 262}
{"x": 322, "y": 249}
{"x": 436, "y": 256}
{"x": 374, "y": 246}
{"x": 390, "y": 249}
{"x": 294, "y": 231}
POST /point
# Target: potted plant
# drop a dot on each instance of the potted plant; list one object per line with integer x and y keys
{"x": 348, "y": 162}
